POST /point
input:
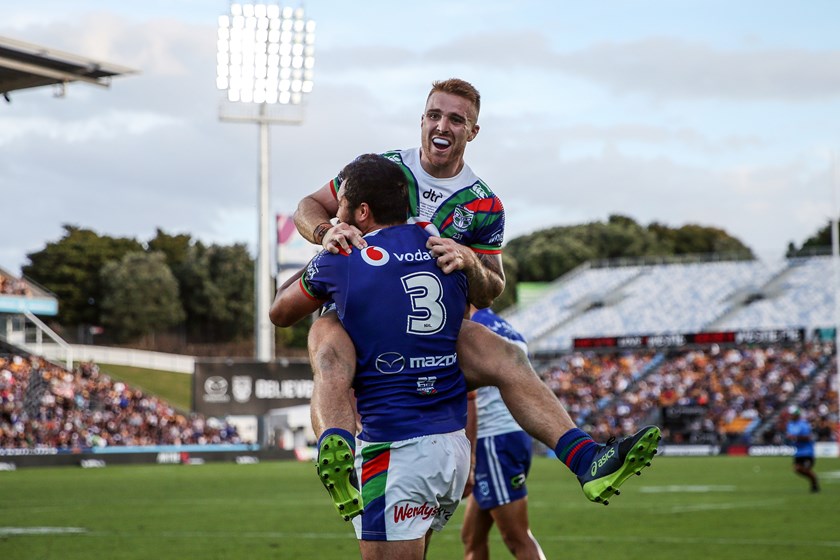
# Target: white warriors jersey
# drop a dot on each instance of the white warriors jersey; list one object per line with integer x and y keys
{"x": 434, "y": 191}
{"x": 462, "y": 207}
{"x": 494, "y": 418}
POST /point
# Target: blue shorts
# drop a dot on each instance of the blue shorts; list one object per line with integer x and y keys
{"x": 501, "y": 466}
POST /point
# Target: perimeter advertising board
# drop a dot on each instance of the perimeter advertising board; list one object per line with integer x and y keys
{"x": 232, "y": 387}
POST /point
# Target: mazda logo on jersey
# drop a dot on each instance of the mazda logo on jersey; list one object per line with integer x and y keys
{"x": 390, "y": 362}
{"x": 375, "y": 256}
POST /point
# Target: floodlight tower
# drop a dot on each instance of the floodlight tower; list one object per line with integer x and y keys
{"x": 264, "y": 61}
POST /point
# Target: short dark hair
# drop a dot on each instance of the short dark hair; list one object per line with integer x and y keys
{"x": 459, "y": 87}
{"x": 379, "y": 182}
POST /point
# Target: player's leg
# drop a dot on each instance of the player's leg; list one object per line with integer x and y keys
{"x": 803, "y": 466}
{"x": 489, "y": 359}
{"x": 502, "y": 463}
{"x": 512, "y": 521}
{"x": 333, "y": 357}
{"x": 389, "y": 550}
{"x": 475, "y": 531}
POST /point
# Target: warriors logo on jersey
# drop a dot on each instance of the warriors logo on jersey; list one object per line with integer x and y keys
{"x": 462, "y": 218}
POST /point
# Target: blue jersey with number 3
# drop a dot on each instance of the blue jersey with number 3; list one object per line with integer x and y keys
{"x": 403, "y": 315}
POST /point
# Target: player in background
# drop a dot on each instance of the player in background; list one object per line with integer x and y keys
{"x": 403, "y": 315}
{"x": 502, "y": 461}
{"x": 444, "y": 190}
{"x": 800, "y": 435}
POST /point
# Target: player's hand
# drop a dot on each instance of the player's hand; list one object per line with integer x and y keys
{"x": 450, "y": 254}
{"x": 342, "y": 237}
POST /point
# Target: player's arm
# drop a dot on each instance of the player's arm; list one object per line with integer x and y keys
{"x": 292, "y": 303}
{"x": 484, "y": 270}
{"x": 312, "y": 219}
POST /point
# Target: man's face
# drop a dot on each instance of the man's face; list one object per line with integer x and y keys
{"x": 344, "y": 214}
{"x": 448, "y": 123}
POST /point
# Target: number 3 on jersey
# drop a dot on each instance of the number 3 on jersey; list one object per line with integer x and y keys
{"x": 426, "y": 293}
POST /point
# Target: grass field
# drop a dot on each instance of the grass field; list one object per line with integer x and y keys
{"x": 173, "y": 387}
{"x": 681, "y": 508}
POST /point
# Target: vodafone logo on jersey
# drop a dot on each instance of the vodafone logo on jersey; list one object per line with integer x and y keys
{"x": 375, "y": 256}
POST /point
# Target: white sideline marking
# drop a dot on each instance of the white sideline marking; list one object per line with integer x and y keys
{"x": 684, "y": 489}
{"x": 829, "y": 474}
{"x": 723, "y": 506}
{"x": 6, "y": 531}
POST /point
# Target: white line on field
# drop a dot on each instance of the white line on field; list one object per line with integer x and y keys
{"x": 7, "y": 531}
{"x": 723, "y": 506}
{"x": 685, "y": 489}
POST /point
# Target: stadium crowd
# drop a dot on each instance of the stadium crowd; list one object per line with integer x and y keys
{"x": 735, "y": 388}
{"x": 46, "y": 406}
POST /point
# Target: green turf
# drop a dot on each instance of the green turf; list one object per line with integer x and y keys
{"x": 680, "y": 508}
{"x": 175, "y": 388}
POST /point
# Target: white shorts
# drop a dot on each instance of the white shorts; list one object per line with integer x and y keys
{"x": 410, "y": 486}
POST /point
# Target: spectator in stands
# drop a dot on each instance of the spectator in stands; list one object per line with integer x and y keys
{"x": 738, "y": 388}
{"x": 45, "y": 406}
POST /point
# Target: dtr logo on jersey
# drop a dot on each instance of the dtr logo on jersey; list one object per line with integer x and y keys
{"x": 375, "y": 256}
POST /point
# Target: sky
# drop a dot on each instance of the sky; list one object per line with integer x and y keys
{"x": 718, "y": 113}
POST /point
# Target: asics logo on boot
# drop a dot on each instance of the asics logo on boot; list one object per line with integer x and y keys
{"x": 600, "y": 462}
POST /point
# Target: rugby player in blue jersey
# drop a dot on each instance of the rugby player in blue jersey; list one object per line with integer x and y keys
{"x": 403, "y": 314}
{"x": 444, "y": 190}
{"x": 798, "y": 432}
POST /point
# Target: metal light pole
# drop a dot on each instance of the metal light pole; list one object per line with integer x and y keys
{"x": 264, "y": 61}
{"x": 835, "y": 259}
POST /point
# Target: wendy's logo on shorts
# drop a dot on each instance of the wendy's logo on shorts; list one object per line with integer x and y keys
{"x": 390, "y": 362}
{"x": 375, "y": 256}
{"x": 408, "y": 511}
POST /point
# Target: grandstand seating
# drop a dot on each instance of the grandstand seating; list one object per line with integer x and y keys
{"x": 801, "y": 297}
{"x": 744, "y": 391}
{"x": 656, "y": 299}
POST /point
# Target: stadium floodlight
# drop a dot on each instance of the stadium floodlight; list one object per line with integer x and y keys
{"x": 264, "y": 63}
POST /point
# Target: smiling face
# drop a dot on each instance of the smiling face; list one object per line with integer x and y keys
{"x": 447, "y": 124}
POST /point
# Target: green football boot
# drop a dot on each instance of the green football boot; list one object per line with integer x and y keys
{"x": 616, "y": 461}
{"x": 338, "y": 475}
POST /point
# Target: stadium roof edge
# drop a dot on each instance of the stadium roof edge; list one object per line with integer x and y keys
{"x": 27, "y": 65}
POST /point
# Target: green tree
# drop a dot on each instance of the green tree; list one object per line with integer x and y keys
{"x": 70, "y": 269}
{"x": 141, "y": 296}
{"x": 175, "y": 247}
{"x": 218, "y": 292}
{"x": 548, "y": 254}
{"x": 820, "y": 240}
{"x": 692, "y": 239}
